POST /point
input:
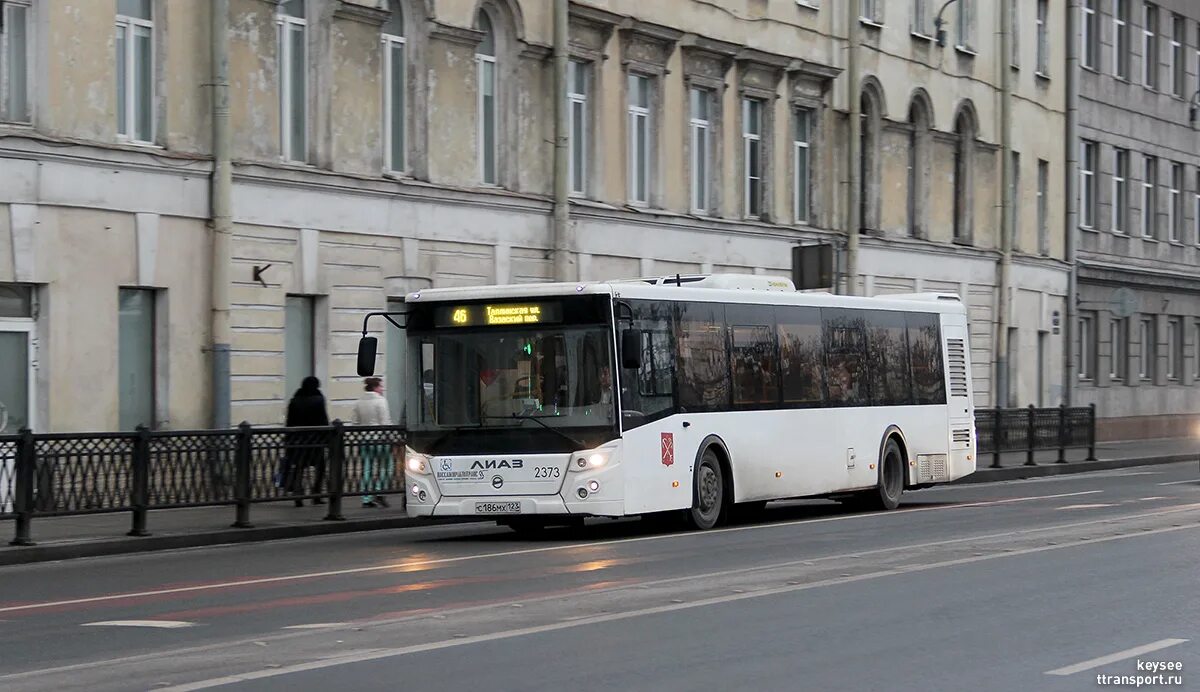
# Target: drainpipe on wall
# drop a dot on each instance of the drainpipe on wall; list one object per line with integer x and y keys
{"x": 1072, "y": 199}
{"x": 564, "y": 260}
{"x": 1006, "y": 206}
{"x": 854, "y": 155}
{"x": 221, "y": 221}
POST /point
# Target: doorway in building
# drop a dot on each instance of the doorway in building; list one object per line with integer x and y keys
{"x": 16, "y": 377}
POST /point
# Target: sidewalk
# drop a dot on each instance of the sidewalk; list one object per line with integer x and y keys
{"x": 61, "y": 538}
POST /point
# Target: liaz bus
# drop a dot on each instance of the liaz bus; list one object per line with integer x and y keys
{"x": 700, "y": 396}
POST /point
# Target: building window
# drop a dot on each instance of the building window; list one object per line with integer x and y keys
{"x": 1043, "y": 38}
{"x": 1150, "y": 46}
{"x": 802, "y": 153}
{"x": 293, "y": 80}
{"x": 135, "y": 70}
{"x": 1175, "y": 204}
{"x": 1178, "y": 68}
{"x": 1089, "y": 37}
{"x": 700, "y": 129}
{"x": 1120, "y": 178}
{"x": 869, "y": 11}
{"x": 1087, "y": 184}
{"x": 14, "y": 61}
{"x": 17, "y": 388}
{"x": 299, "y": 326}
{"x": 752, "y": 156}
{"x": 869, "y": 158}
{"x": 1015, "y": 34}
{"x": 1120, "y": 12}
{"x": 1196, "y": 217}
{"x": 1174, "y": 349}
{"x": 1087, "y": 346}
{"x": 395, "y": 79}
{"x": 1043, "y": 199}
{"x": 577, "y": 102}
{"x": 964, "y": 153}
{"x": 1146, "y": 356}
{"x": 135, "y": 358}
{"x": 920, "y": 20}
{"x": 918, "y": 166}
{"x": 966, "y": 24}
{"x": 638, "y": 95}
{"x": 1016, "y": 195}
{"x": 1150, "y": 198}
{"x": 1116, "y": 337}
{"x": 485, "y": 66}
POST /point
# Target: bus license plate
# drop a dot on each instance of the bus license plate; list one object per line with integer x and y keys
{"x": 497, "y": 507}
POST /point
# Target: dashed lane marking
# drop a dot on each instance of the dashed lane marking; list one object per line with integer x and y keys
{"x": 154, "y": 624}
{"x": 316, "y": 626}
{"x": 1093, "y": 506}
{"x": 1193, "y": 481}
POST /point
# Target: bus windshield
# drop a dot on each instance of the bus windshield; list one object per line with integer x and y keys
{"x": 501, "y": 378}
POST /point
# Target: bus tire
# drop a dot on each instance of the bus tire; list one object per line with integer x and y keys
{"x": 708, "y": 493}
{"x": 890, "y": 487}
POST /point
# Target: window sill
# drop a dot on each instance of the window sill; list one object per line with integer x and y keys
{"x": 136, "y": 144}
{"x": 1151, "y": 239}
{"x": 871, "y": 23}
{"x": 966, "y": 51}
{"x": 1089, "y": 68}
{"x": 1089, "y": 229}
{"x": 1176, "y": 243}
{"x": 808, "y": 5}
{"x": 918, "y": 36}
{"x": 1041, "y": 75}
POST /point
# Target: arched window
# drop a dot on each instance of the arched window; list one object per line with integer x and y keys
{"x": 965, "y": 132}
{"x": 395, "y": 109}
{"x": 486, "y": 64}
{"x": 868, "y": 180}
{"x": 920, "y": 124}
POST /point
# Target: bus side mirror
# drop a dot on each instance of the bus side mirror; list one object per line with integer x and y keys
{"x": 367, "y": 347}
{"x": 631, "y": 349}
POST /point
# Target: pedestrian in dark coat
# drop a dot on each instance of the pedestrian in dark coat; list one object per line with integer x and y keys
{"x": 305, "y": 449}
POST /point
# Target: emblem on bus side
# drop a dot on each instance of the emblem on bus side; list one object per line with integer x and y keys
{"x": 668, "y": 448}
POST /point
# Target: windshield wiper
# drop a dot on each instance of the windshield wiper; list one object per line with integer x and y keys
{"x": 537, "y": 419}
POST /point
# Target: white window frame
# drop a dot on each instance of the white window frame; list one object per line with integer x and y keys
{"x": 1043, "y": 206}
{"x": 868, "y": 11}
{"x": 480, "y": 60}
{"x": 1178, "y": 64}
{"x": 129, "y": 107}
{"x": 285, "y": 23}
{"x": 1149, "y": 199}
{"x": 1087, "y": 184}
{"x": 1120, "y": 179}
{"x": 10, "y": 8}
{"x": 920, "y": 19}
{"x": 1116, "y": 364}
{"x": 389, "y": 41}
{"x": 1146, "y": 353}
{"x": 28, "y": 327}
{"x": 965, "y": 26}
{"x": 700, "y": 129}
{"x": 1015, "y": 35}
{"x": 578, "y": 141}
{"x": 1149, "y": 46}
{"x": 1120, "y": 38}
{"x": 1088, "y": 34}
{"x": 1175, "y": 203}
{"x": 1043, "y": 38}
{"x": 750, "y": 140}
{"x": 639, "y": 158}
{"x": 802, "y": 184}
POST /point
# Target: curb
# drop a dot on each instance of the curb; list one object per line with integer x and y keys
{"x": 1008, "y": 473}
{"x": 124, "y": 546}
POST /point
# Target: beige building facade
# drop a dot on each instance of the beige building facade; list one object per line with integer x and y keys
{"x": 382, "y": 146}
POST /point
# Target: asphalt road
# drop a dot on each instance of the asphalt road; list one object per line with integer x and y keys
{"x": 1027, "y": 585}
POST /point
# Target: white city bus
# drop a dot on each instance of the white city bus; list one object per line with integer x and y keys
{"x": 695, "y": 395}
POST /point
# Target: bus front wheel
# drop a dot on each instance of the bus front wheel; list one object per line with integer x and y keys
{"x": 708, "y": 494}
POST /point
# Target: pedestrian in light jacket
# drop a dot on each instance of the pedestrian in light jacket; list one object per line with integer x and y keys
{"x": 372, "y": 409}
{"x": 305, "y": 449}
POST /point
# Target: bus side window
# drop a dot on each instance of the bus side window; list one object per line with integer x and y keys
{"x": 925, "y": 354}
{"x": 802, "y": 356}
{"x": 887, "y": 358}
{"x": 846, "y": 357}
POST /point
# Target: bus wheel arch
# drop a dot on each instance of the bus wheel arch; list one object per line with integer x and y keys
{"x": 711, "y": 452}
{"x": 894, "y": 432}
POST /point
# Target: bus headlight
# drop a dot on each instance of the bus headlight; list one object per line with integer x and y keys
{"x": 589, "y": 460}
{"x": 417, "y": 463}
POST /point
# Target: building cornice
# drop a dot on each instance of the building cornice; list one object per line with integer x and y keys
{"x": 455, "y": 34}
{"x": 373, "y": 16}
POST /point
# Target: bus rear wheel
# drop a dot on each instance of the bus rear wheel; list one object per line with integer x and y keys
{"x": 886, "y": 495}
{"x": 708, "y": 493}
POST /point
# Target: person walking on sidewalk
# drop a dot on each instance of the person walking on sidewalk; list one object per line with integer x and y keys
{"x": 372, "y": 409}
{"x": 304, "y": 449}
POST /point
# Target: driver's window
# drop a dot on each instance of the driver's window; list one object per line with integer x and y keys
{"x": 647, "y": 393}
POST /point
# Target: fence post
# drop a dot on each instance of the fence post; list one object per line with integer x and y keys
{"x": 1091, "y": 432}
{"x": 140, "y": 487}
{"x": 1031, "y": 437}
{"x": 996, "y": 437}
{"x": 1062, "y": 433}
{"x": 241, "y": 476}
{"x": 25, "y": 468}
{"x": 337, "y": 471}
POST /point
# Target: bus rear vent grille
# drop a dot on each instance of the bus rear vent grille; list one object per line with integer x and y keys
{"x": 956, "y": 351}
{"x": 963, "y": 435}
{"x": 931, "y": 468}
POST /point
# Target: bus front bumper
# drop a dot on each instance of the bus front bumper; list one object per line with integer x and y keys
{"x": 508, "y": 507}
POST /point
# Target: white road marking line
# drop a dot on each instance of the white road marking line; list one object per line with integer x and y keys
{"x": 512, "y": 553}
{"x": 1194, "y": 481}
{"x": 155, "y": 624}
{"x": 316, "y": 626}
{"x": 377, "y": 654}
{"x": 1156, "y": 497}
{"x": 1119, "y": 656}
{"x": 1095, "y": 506}
{"x": 187, "y": 651}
